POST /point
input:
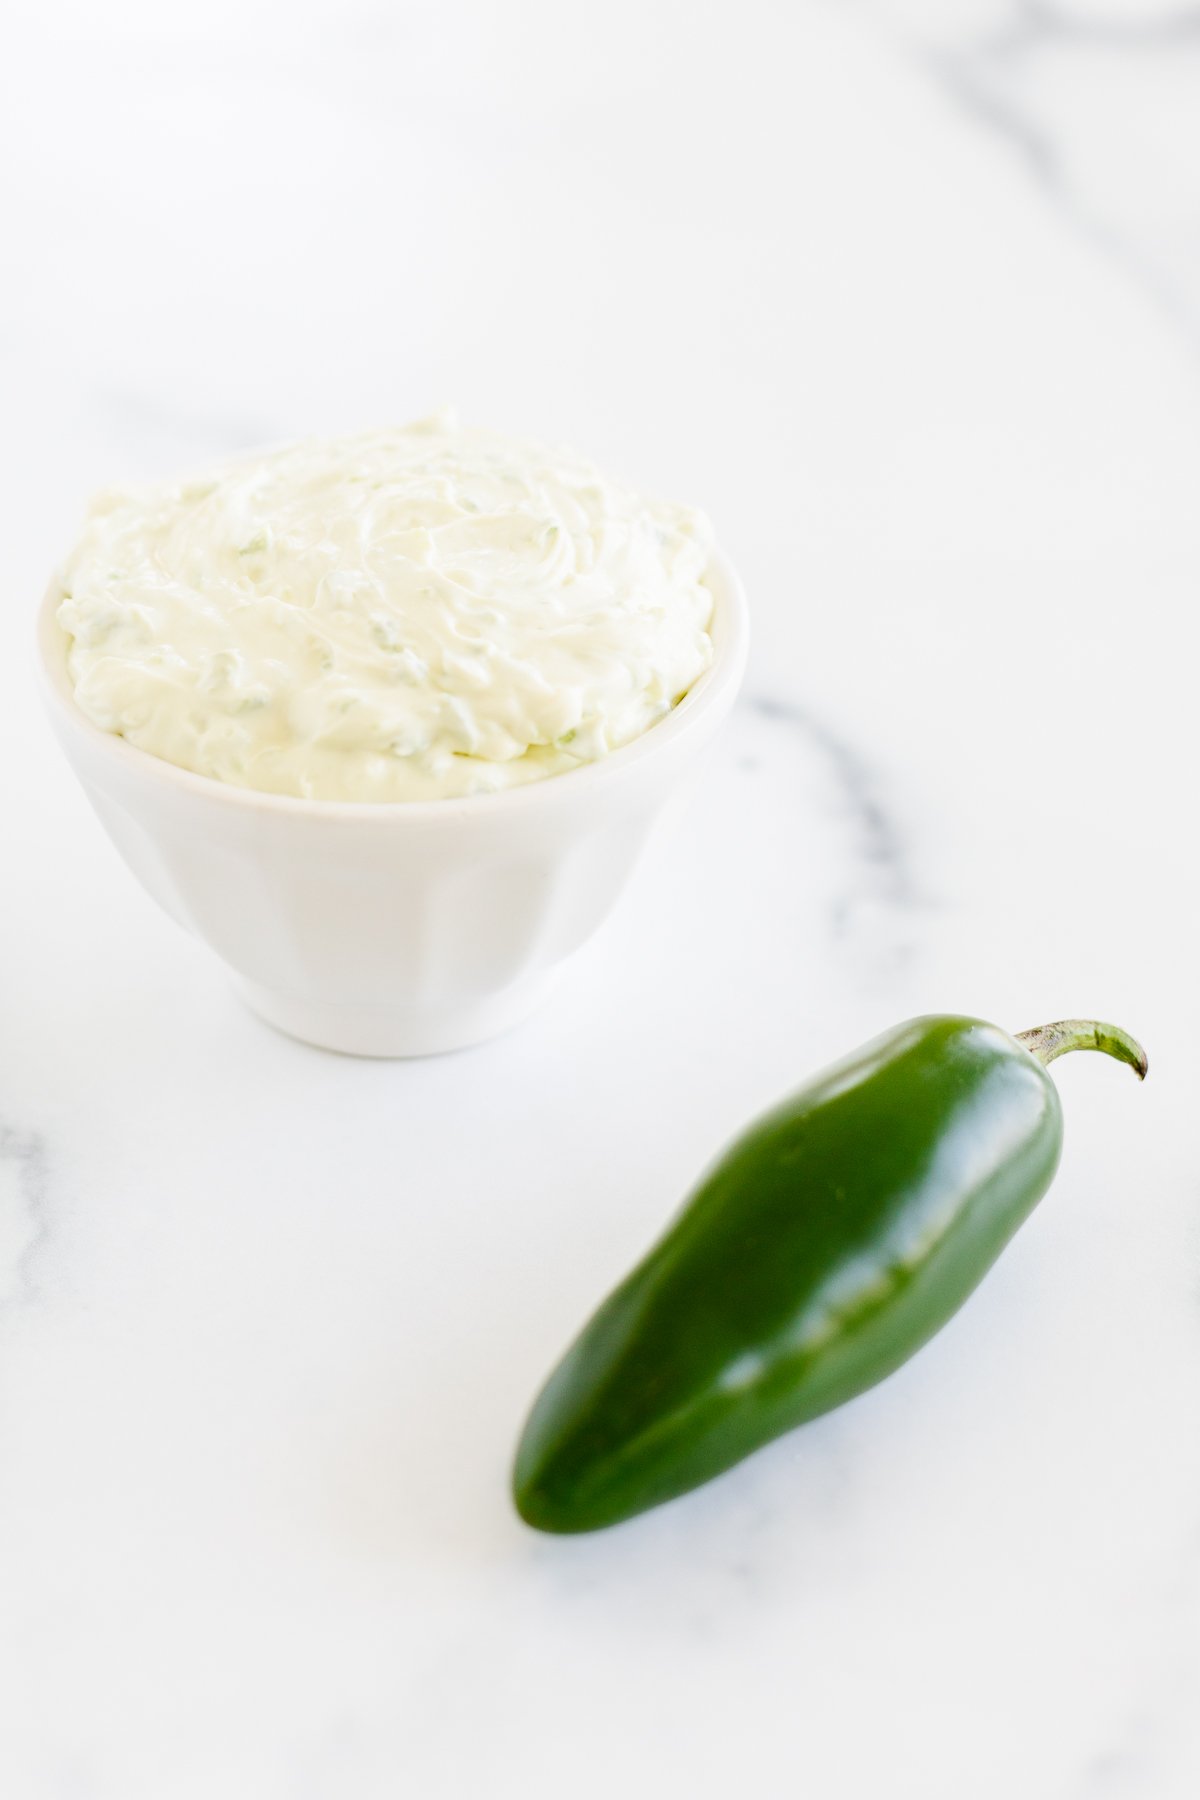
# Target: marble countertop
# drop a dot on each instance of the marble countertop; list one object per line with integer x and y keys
{"x": 908, "y": 295}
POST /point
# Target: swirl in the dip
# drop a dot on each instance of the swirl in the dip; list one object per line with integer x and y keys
{"x": 399, "y": 615}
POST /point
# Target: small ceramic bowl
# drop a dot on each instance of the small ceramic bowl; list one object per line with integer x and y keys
{"x": 401, "y": 929}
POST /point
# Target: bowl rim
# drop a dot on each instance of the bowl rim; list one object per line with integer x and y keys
{"x": 718, "y": 684}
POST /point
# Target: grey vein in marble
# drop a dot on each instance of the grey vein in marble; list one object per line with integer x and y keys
{"x": 23, "y": 1217}
{"x": 1173, "y": 25}
{"x": 881, "y": 860}
{"x": 991, "y": 71}
{"x": 146, "y": 418}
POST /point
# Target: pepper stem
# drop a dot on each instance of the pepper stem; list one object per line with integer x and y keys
{"x": 1048, "y": 1041}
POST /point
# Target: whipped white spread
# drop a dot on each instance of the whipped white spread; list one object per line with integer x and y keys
{"x": 397, "y": 615}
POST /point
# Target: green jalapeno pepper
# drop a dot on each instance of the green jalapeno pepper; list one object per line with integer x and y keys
{"x": 826, "y": 1246}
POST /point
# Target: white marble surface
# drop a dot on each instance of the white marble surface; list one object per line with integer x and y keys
{"x": 908, "y": 294}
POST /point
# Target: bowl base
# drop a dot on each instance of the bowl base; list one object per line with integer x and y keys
{"x": 397, "y": 1031}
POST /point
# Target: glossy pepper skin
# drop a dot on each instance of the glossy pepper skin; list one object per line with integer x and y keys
{"x": 826, "y": 1246}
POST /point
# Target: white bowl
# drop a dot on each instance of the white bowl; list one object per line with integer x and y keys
{"x": 401, "y": 929}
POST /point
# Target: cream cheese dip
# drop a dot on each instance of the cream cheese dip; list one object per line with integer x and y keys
{"x": 405, "y": 614}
